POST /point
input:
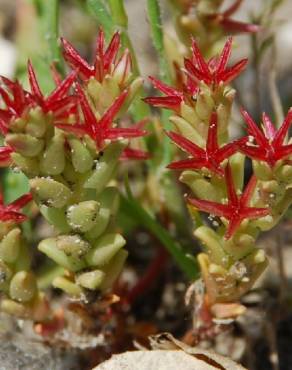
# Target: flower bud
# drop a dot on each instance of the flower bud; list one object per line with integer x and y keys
{"x": 91, "y": 280}
{"x": 83, "y": 216}
{"x": 53, "y": 159}
{"x": 23, "y": 286}
{"x": 81, "y": 158}
{"x": 104, "y": 249}
{"x": 9, "y": 246}
{"x": 26, "y": 145}
{"x": 50, "y": 192}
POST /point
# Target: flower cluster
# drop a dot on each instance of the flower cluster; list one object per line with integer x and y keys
{"x": 214, "y": 170}
{"x": 69, "y": 146}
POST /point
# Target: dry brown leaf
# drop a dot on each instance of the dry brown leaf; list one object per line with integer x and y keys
{"x": 168, "y": 360}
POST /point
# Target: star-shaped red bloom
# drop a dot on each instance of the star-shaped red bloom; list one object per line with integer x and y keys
{"x": 5, "y": 152}
{"x": 11, "y": 212}
{"x": 58, "y": 102}
{"x": 215, "y": 71}
{"x": 102, "y": 130}
{"x": 211, "y": 157}
{"x": 230, "y": 25}
{"x": 270, "y": 146}
{"x": 17, "y": 102}
{"x": 237, "y": 209}
{"x": 106, "y": 60}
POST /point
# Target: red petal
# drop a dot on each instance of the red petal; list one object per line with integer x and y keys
{"x": 89, "y": 117}
{"x": 234, "y": 223}
{"x": 19, "y": 203}
{"x": 108, "y": 117}
{"x": 253, "y": 212}
{"x": 232, "y": 26}
{"x": 231, "y": 192}
{"x": 195, "y": 72}
{"x": 116, "y": 133}
{"x": 189, "y": 163}
{"x": 199, "y": 60}
{"x": 75, "y": 61}
{"x": 232, "y": 72}
{"x": 254, "y": 130}
{"x": 248, "y": 191}
{"x": 167, "y": 90}
{"x": 224, "y": 57}
{"x": 212, "y": 140}
{"x": 112, "y": 51}
{"x": 214, "y": 208}
{"x": 282, "y": 132}
{"x": 186, "y": 144}
{"x": 62, "y": 88}
{"x": 35, "y": 89}
{"x": 168, "y": 102}
{"x": 269, "y": 127}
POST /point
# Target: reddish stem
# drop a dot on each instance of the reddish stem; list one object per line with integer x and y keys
{"x": 147, "y": 280}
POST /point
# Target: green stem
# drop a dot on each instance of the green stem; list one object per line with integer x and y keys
{"x": 51, "y": 30}
{"x": 99, "y": 11}
{"x": 186, "y": 263}
{"x": 154, "y": 15}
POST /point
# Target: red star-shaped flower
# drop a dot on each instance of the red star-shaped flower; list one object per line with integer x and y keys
{"x": 230, "y": 25}
{"x": 237, "y": 209}
{"x": 106, "y": 61}
{"x": 215, "y": 71}
{"x": 102, "y": 130}
{"x": 11, "y": 212}
{"x": 211, "y": 157}
{"x": 270, "y": 146}
{"x": 57, "y": 102}
{"x": 17, "y": 102}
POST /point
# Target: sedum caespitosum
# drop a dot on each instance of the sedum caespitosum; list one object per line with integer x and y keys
{"x": 214, "y": 171}
{"x": 69, "y": 145}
